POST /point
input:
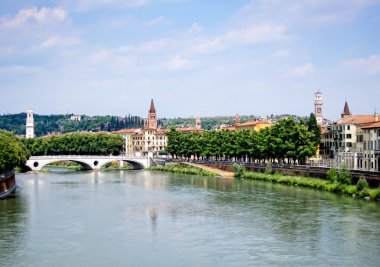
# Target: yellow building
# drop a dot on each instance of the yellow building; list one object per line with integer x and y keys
{"x": 253, "y": 125}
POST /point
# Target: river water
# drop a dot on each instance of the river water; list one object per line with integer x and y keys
{"x": 146, "y": 218}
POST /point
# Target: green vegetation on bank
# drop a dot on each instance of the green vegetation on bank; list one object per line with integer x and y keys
{"x": 288, "y": 139}
{"x": 12, "y": 152}
{"x": 337, "y": 183}
{"x": 75, "y": 144}
{"x": 45, "y": 124}
{"x": 184, "y": 170}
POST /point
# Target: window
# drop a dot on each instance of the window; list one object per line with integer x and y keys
{"x": 349, "y": 144}
{"x": 348, "y": 127}
{"x": 360, "y": 138}
{"x": 348, "y": 136}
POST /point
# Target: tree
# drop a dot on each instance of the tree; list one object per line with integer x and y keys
{"x": 12, "y": 152}
{"x": 313, "y": 127}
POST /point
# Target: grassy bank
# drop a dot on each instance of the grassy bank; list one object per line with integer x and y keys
{"x": 184, "y": 170}
{"x": 324, "y": 185}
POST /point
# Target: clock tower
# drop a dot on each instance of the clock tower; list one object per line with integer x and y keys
{"x": 318, "y": 107}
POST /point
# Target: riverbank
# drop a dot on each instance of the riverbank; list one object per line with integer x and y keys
{"x": 323, "y": 185}
{"x": 184, "y": 170}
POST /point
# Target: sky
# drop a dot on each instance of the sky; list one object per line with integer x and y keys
{"x": 193, "y": 57}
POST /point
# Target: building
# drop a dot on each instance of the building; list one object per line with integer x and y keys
{"x": 75, "y": 117}
{"x": 318, "y": 107}
{"x": 345, "y": 140}
{"x": 369, "y": 143}
{"x": 151, "y": 138}
{"x": 253, "y": 125}
{"x": 196, "y": 129}
{"x": 29, "y": 127}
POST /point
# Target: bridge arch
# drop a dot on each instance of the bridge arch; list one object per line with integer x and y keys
{"x": 38, "y": 164}
{"x": 136, "y": 165}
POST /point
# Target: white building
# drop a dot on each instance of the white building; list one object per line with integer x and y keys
{"x": 29, "y": 127}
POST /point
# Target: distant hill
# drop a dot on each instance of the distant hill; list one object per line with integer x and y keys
{"x": 45, "y": 124}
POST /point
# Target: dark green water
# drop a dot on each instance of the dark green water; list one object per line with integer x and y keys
{"x": 141, "y": 218}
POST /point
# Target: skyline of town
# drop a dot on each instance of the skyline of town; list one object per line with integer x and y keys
{"x": 194, "y": 58}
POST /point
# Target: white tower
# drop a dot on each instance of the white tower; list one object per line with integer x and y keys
{"x": 29, "y": 124}
{"x": 318, "y": 107}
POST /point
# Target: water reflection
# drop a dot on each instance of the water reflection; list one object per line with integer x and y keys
{"x": 12, "y": 227}
{"x": 142, "y": 218}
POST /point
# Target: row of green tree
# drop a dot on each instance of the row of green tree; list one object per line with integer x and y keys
{"x": 75, "y": 144}
{"x": 12, "y": 152}
{"x": 288, "y": 140}
{"x": 45, "y": 124}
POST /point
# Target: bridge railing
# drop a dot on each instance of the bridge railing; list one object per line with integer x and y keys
{"x": 83, "y": 156}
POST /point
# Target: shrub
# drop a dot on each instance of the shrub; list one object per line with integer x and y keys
{"x": 362, "y": 184}
{"x": 344, "y": 176}
{"x": 332, "y": 175}
{"x": 268, "y": 168}
{"x": 238, "y": 170}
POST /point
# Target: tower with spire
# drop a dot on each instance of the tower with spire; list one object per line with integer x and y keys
{"x": 318, "y": 107}
{"x": 152, "y": 117}
{"x": 346, "y": 111}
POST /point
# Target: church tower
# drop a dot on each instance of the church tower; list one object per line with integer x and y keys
{"x": 346, "y": 111}
{"x": 318, "y": 107}
{"x": 152, "y": 117}
{"x": 198, "y": 125}
{"x": 29, "y": 124}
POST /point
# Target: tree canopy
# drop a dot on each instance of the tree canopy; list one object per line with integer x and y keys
{"x": 288, "y": 139}
{"x": 12, "y": 152}
{"x": 76, "y": 144}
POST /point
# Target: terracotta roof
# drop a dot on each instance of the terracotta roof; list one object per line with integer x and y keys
{"x": 189, "y": 129}
{"x": 357, "y": 119}
{"x": 372, "y": 125}
{"x": 152, "y": 108}
{"x": 125, "y": 131}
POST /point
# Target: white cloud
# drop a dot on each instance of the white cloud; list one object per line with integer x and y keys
{"x": 57, "y": 40}
{"x": 156, "y": 45}
{"x": 256, "y": 33}
{"x": 155, "y": 22}
{"x": 18, "y": 69}
{"x": 304, "y": 70}
{"x": 369, "y": 66}
{"x": 179, "y": 63}
{"x": 208, "y": 45}
{"x": 100, "y": 56}
{"x": 281, "y": 53}
{"x": 33, "y": 15}
{"x": 84, "y": 5}
{"x": 195, "y": 29}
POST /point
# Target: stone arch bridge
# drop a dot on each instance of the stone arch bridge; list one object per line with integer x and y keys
{"x": 36, "y": 163}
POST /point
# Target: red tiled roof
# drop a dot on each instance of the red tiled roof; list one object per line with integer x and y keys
{"x": 125, "y": 131}
{"x": 372, "y": 125}
{"x": 357, "y": 119}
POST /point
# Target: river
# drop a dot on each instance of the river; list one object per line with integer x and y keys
{"x": 146, "y": 218}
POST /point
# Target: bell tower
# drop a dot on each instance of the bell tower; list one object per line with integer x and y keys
{"x": 29, "y": 124}
{"x": 152, "y": 116}
{"x": 318, "y": 107}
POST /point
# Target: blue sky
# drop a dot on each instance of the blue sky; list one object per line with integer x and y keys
{"x": 216, "y": 57}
